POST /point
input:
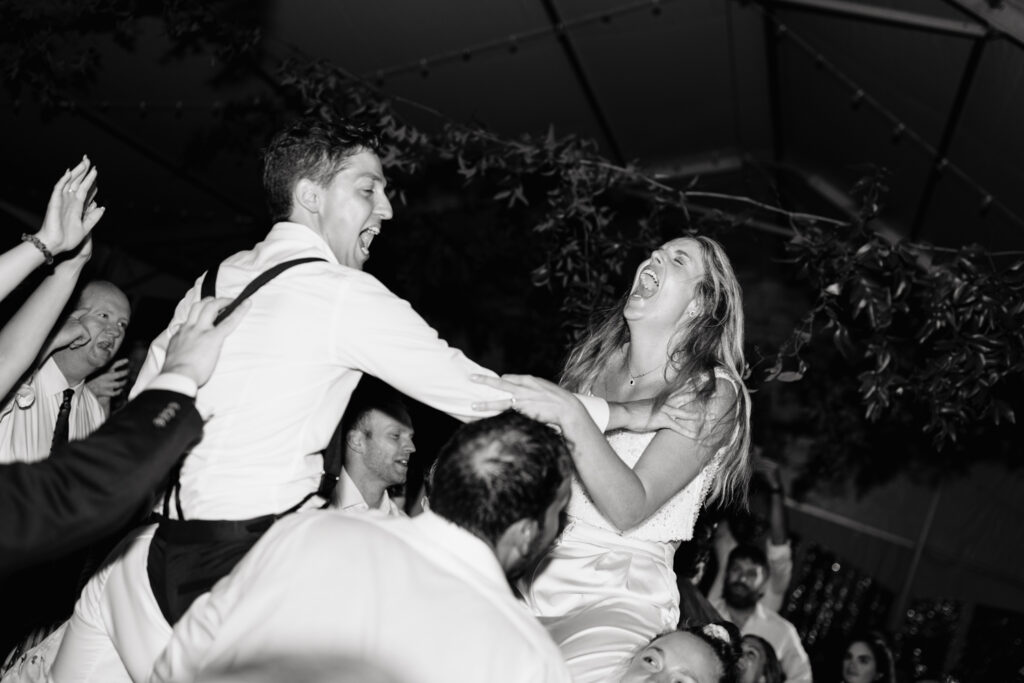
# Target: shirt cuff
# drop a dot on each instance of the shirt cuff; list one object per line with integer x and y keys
{"x": 778, "y": 552}
{"x": 598, "y": 410}
{"x": 172, "y": 381}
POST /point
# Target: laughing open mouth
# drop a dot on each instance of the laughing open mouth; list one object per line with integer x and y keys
{"x": 648, "y": 283}
{"x": 366, "y": 237}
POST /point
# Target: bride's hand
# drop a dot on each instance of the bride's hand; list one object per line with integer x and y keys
{"x": 640, "y": 416}
{"x": 535, "y": 397}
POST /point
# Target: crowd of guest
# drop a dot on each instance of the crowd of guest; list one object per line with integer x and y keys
{"x": 241, "y": 517}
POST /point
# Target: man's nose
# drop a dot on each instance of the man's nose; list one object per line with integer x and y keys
{"x": 384, "y": 208}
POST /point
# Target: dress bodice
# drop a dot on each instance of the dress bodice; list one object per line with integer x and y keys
{"x": 674, "y": 520}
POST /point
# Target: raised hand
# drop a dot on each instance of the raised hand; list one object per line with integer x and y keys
{"x": 110, "y": 383}
{"x": 72, "y": 334}
{"x": 194, "y": 349}
{"x": 72, "y": 212}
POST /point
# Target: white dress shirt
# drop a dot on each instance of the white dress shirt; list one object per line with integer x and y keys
{"x": 286, "y": 374}
{"x": 782, "y": 635}
{"x": 282, "y": 382}
{"x": 27, "y": 420}
{"x": 422, "y": 598}
{"x": 350, "y": 499}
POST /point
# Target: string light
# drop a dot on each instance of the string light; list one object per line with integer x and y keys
{"x": 511, "y": 44}
{"x": 899, "y": 128}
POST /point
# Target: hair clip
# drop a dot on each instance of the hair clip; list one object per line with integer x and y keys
{"x": 716, "y": 631}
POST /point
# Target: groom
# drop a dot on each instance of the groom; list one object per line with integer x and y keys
{"x": 283, "y": 380}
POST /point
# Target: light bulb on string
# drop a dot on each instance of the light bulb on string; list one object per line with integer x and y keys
{"x": 986, "y": 204}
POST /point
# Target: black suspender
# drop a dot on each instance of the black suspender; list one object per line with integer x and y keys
{"x": 332, "y": 456}
{"x": 209, "y": 286}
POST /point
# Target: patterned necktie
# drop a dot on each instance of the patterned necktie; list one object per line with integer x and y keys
{"x": 60, "y": 430}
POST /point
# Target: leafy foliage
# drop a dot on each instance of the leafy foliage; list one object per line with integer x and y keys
{"x": 900, "y": 340}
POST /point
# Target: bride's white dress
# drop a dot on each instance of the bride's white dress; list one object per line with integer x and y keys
{"x": 602, "y": 593}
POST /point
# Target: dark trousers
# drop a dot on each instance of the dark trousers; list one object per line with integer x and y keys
{"x": 187, "y": 557}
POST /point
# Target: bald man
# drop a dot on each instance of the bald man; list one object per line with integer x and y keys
{"x": 29, "y": 417}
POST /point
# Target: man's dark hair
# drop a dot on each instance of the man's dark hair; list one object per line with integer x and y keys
{"x": 373, "y": 394}
{"x": 309, "y": 148}
{"x": 751, "y": 553}
{"x": 497, "y": 471}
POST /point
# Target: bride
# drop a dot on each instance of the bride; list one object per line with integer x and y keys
{"x": 607, "y": 586}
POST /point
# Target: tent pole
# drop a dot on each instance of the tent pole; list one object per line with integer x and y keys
{"x": 900, "y": 607}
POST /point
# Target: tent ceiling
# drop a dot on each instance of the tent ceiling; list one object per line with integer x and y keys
{"x": 674, "y": 85}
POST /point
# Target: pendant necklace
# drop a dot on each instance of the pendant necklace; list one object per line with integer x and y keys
{"x": 633, "y": 378}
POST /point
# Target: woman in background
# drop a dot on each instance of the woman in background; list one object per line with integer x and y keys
{"x": 758, "y": 663}
{"x": 867, "y": 658}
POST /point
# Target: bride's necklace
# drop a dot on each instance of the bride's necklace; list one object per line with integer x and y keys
{"x": 633, "y": 378}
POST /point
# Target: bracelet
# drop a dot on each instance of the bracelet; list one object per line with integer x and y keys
{"x": 38, "y": 243}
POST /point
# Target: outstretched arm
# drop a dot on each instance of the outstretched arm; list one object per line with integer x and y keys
{"x": 626, "y": 497}
{"x": 67, "y": 225}
{"x": 88, "y": 487}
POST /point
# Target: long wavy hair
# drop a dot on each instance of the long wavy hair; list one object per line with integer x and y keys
{"x": 712, "y": 340}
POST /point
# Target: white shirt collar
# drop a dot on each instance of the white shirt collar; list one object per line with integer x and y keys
{"x": 49, "y": 375}
{"x": 456, "y": 540}
{"x": 286, "y": 230}
{"x": 350, "y": 498}
{"x": 759, "y": 613}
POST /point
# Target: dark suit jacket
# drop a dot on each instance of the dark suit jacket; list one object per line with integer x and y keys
{"x": 92, "y": 486}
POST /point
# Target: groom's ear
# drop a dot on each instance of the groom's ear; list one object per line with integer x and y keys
{"x": 307, "y": 194}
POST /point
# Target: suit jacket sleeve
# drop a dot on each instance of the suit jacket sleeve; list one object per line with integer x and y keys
{"x": 91, "y": 486}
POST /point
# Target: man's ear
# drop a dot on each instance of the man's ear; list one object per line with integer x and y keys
{"x": 516, "y": 542}
{"x": 307, "y": 194}
{"x": 355, "y": 440}
{"x": 525, "y": 532}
